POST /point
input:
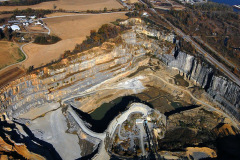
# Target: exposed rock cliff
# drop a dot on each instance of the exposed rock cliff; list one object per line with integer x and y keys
{"x": 73, "y": 75}
{"x": 219, "y": 88}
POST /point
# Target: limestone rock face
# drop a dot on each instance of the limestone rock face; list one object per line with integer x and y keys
{"x": 81, "y": 72}
{"x": 219, "y": 88}
{"x": 73, "y": 75}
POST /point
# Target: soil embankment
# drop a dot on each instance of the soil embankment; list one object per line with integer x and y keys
{"x": 10, "y": 74}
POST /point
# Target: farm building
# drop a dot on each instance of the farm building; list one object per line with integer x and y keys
{"x": 20, "y": 17}
{"x": 15, "y": 28}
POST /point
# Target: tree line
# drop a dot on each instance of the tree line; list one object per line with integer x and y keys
{"x": 46, "y": 39}
{"x": 6, "y": 33}
{"x": 211, "y": 6}
{"x": 217, "y": 24}
{"x": 29, "y": 12}
{"x": 22, "y": 2}
{"x": 96, "y": 38}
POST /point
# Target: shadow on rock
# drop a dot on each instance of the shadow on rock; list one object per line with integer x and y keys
{"x": 45, "y": 149}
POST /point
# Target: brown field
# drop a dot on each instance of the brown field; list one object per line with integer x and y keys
{"x": 5, "y": 15}
{"x": 76, "y": 5}
{"x": 4, "y": 18}
{"x": 72, "y": 30}
{"x": 8, "y": 53}
{"x": 10, "y": 74}
{"x": 60, "y": 14}
{"x": 37, "y": 28}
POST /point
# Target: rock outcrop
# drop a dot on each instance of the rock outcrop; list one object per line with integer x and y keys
{"x": 222, "y": 90}
{"x": 73, "y": 75}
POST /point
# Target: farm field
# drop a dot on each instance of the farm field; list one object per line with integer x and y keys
{"x": 9, "y": 74}
{"x": 76, "y": 5}
{"x": 9, "y": 54}
{"x": 5, "y": 15}
{"x": 72, "y": 30}
{"x": 60, "y": 14}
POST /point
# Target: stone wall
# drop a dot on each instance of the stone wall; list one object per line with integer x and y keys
{"x": 222, "y": 90}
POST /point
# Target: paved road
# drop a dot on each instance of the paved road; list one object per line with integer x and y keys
{"x": 81, "y": 14}
{"x": 33, "y": 32}
{"x": 18, "y": 63}
{"x": 135, "y": 108}
{"x": 142, "y": 131}
{"x": 208, "y": 57}
{"x": 198, "y": 38}
{"x": 102, "y": 152}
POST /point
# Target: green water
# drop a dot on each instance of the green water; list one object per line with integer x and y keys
{"x": 176, "y": 104}
{"x": 100, "y": 112}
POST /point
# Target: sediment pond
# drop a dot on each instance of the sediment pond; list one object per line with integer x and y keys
{"x": 101, "y": 111}
{"x": 102, "y": 116}
{"x": 154, "y": 97}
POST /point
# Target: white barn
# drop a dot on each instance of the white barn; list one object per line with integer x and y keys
{"x": 15, "y": 28}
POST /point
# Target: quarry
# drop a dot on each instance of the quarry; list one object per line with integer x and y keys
{"x": 132, "y": 96}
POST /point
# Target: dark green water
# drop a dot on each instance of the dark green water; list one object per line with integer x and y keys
{"x": 100, "y": 112}
{"x": 176, "y": 104}
{"x": 108, "y": 112}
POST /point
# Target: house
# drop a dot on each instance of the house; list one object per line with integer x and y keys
{"x": 20, "y": 17}
{"x": 32, "y": 17}
{"x": 14, "y": 22}
{"x": 25, "y": 24}
{"x": 15, "y": 28}
{"x": 38, "y": 23}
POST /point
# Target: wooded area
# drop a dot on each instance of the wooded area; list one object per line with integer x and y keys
{"x": 96, "y": 38}
{"x": 22, "y": 2}
{"x": 46, "y": 39}
{"x": 214, "y": 23}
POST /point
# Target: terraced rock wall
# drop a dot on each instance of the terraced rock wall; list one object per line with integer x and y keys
{"x": 73, "y": 75}
{"x": 219, "y": 88}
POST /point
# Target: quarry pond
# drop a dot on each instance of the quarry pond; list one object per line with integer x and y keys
{"x": 100, "y": 118}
